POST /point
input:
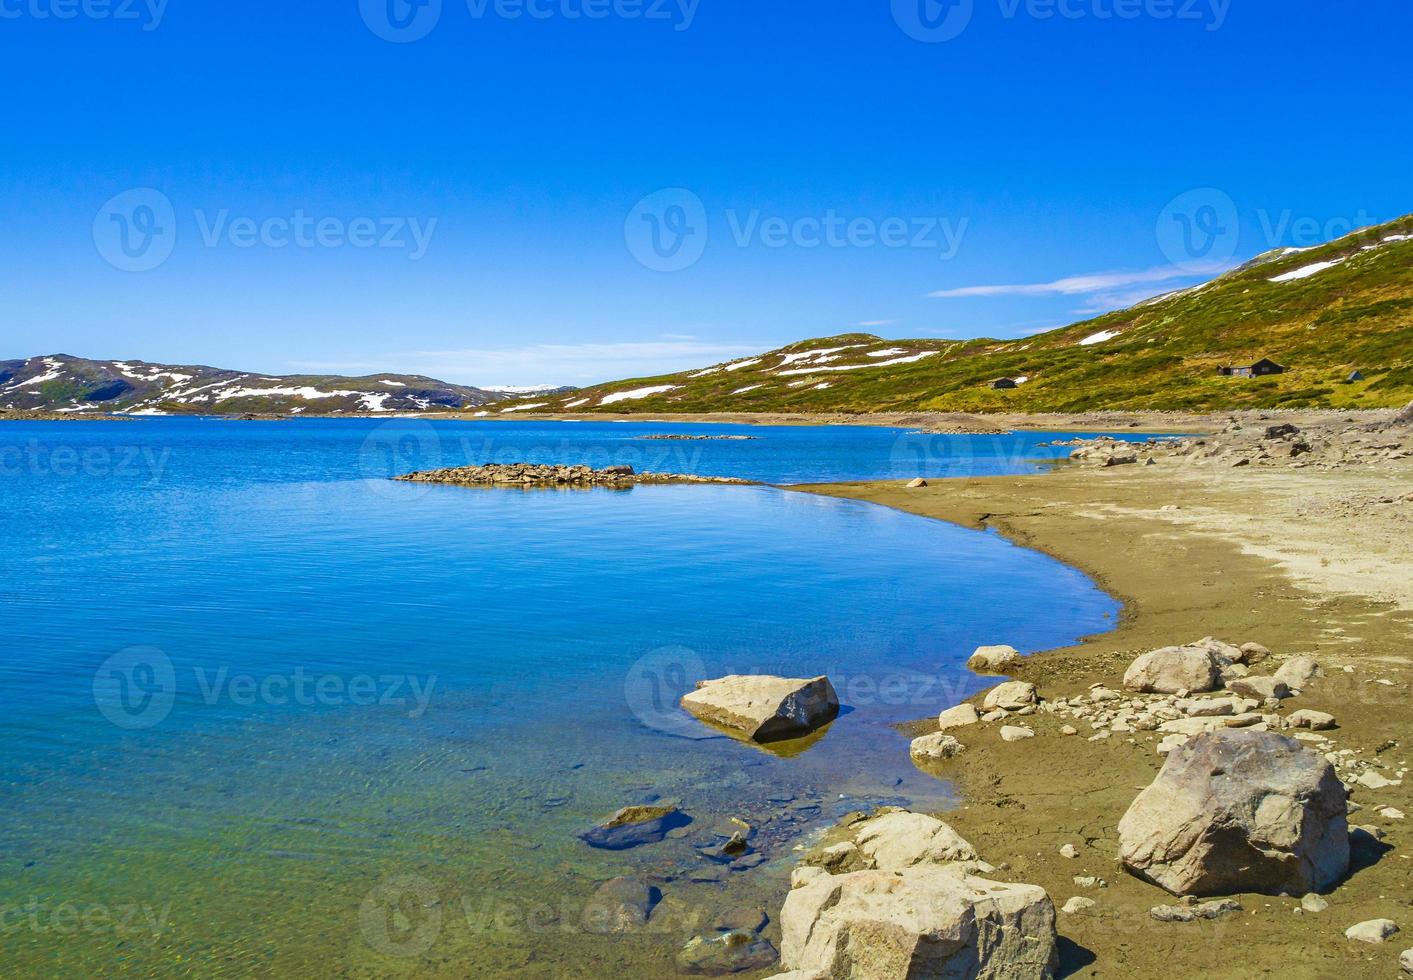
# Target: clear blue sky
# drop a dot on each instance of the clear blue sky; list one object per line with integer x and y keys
{"x": 1026, "y": 150}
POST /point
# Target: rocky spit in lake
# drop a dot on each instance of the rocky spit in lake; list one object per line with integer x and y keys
{"x": 529, "y": 475}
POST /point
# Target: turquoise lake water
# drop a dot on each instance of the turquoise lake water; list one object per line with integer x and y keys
{"x": 268, "y": 713}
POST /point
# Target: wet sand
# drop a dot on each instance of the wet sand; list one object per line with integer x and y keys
{"x": 1303, "y": 561}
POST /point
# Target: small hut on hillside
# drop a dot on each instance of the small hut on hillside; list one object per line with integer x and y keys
{"x": 1004, "y": 384}
{"x": 1265, "y": 366}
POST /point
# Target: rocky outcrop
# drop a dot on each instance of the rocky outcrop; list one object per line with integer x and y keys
{"x": 537, "y": 475}
{"x": 764, "y": 708}
{"x": 1239, "y": 811}
{"x": 922, "y": 922}
{"x": 1175, "y": 670}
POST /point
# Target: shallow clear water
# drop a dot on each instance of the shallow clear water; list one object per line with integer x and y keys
{"x": 269, "y": 713}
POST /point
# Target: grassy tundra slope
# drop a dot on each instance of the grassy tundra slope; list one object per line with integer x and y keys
{"x": 1324, "y": 312}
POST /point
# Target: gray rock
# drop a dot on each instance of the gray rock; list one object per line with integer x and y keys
{"x": 725, "y": 953}
{"x": 620, "y": 905}
{"x": 1010, "y": 696}
{"x": 920, "y": 922}
{"x": 961, "y": 715}
{"x": 1297, "y": 672}
{"x": 1078, "y": 905}
{"x": 1015, "y": 733}
{"x": 916, "y": 483}
{"x": 1174, "y": 670}
{"x": 1373, "y": 931}
{"x": 1314, "y": 903}
{"x": 1317, "y": 721}
{"x": 765, "y": 708}
{"x": 1239, "y": 811}
{"x": 633, "y": 826}
{"x": 937, "y": 747}
{"x": 1260, "y": 688}
{"x": 990, "y": 660}
{"x": 1405, "y": 961}
{"x": 1191, "y": 913}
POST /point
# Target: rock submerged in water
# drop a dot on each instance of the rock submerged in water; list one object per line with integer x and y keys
{"x": 724, "y": 953}
{"x": 936, "y": 747}
{"x": 633, "y": 826}
{"x": 620, "y": 905}
{"x": 1239, "y": 811}
{"x": 764, "y": 708}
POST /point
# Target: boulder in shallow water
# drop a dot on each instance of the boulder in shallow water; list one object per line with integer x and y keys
{"x": 1239, "y": 811}
{"x": 620, "y": 905}
{"x": 990, "y": 660}
{"x": 764, "y": 708}
{"x": 936, "y": 747}
{"x": 924, "y": 921}
{"x": 636, "y": 825}
{"x": 724, "y": 953}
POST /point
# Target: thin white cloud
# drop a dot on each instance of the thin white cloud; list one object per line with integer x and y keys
{"x": 876, "y": 323}
{"x": 1087, "y": 284}
{"x": 573, "y": 364}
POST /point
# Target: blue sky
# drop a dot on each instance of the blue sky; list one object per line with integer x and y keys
{"x": 576, "y": 190}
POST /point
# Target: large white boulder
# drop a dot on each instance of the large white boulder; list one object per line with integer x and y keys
{"x": 1174, "y": 670}
{"x": 1011, "y": 696}
{"x": 764, "y": 708}
{"x": 925, "y": 921}
{"x": 990, "y": 660}
{"x": 1239, "y": 811}
{"x": 962, "y": 715}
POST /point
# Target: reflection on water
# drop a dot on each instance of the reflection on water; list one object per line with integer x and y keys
{"x": 266, "y": 715}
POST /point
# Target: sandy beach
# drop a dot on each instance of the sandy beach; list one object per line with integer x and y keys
{"x": 1303, "y": 560}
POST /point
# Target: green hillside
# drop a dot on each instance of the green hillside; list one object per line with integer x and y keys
{"x": 1324, "y": 313}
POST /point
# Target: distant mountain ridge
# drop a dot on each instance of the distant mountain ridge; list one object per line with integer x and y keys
{"x": 1325, "y": 313}
{"x": 64, "y": 383}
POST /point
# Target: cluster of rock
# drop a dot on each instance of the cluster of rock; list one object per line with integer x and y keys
{"x": 544, "y": 475}
{"x": 896, "y": 894}
{"x": 673, "y": 437}
{"x": 1260, "y": 441}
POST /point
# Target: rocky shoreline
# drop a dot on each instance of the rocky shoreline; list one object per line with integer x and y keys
{"x": 534, "y": 475}
{"x": 1304, "y": 553}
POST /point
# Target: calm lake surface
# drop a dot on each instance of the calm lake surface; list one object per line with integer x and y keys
{"x": 268, "y": 713}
